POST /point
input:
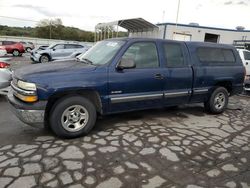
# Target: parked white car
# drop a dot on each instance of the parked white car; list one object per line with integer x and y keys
{"x": 3, "y": 52}
{"x": 58, "y": 51}
{"x": 245, "y": 57}
{"x": 5, "y": 77}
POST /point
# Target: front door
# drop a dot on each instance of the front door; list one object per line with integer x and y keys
{"x": 58, "y": 51}
{"x": 140, "y": 87}
{"x": 178, "y": 74}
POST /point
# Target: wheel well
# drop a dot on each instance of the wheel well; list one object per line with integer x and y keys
{"x": 46, "y": 55}
{"x": 93, "y": 96}
{"x": 225, "y": 84}
{"x": 15, "y": 49}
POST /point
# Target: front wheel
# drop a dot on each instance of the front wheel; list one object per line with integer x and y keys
{"x": 44, "y": 59}
{"x": 15, "y": 53}
{"x": 218, "y": 101}
{"x": 28, "y": 49}
{"x": 72, "y": 117}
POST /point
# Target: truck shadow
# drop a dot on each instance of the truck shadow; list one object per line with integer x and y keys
{"x": 104, "y": 122}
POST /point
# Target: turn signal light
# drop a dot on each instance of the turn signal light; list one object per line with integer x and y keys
{"x": 31, "y": 98}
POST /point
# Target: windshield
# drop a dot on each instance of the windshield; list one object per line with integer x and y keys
{"x": 51, "y": 46}
{"x": 102, "y": 52}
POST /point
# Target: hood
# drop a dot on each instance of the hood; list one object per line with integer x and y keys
{"x": 52, "y": 67}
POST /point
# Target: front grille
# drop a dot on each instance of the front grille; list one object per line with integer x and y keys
{"x": 14, "y": 81}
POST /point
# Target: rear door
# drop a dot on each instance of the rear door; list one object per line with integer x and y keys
{"x": 8, "y": 45}
{"x": 178, "y": 75}
{"x": 70, "y": 49}
{"x": 140, "y": 87}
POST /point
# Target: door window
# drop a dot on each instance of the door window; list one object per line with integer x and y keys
{"x": 144, "y": 54}
{"x": 173, "y": 55}
{"x": 71, "y": 46}
{"x": 215, "y": 55}
{"x": 59, "y": 47}
{"x": 8, "y": 42}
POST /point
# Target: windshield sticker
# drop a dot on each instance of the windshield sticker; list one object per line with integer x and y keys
{"x": 112, "y": 44}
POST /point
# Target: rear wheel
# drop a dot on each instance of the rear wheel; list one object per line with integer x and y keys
{"x": 72, "y": 117}
{"x": 218, "y": 101}
{"x": 28, "y": 49}
{"x": 44, "y": 58}
{"x": 15, "y": 53}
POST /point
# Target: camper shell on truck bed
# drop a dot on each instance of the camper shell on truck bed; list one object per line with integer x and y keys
{"x": 120, "y": 75}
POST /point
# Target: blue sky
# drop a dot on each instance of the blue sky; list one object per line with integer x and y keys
{"x": 86, "y": 14}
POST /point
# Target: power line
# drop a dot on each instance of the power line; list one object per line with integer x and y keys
{"x": 13, "y": 18}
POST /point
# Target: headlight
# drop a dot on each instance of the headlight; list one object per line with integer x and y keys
{"x": 26, "y": 85}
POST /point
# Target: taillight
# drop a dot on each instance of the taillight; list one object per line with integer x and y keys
{"x": 4, "y": 65}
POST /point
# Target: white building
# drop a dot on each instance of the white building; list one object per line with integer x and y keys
{"x": 141, "y": 28}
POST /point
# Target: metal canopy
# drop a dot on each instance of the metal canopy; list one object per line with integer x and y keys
{"x": 136, "y": 24}
{"x": 132, "y": 25}
{"x": 106, "y": 30}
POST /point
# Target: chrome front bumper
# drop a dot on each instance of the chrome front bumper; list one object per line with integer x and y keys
{"x": 31, "y": 114}
{"x": 34, "y": 118}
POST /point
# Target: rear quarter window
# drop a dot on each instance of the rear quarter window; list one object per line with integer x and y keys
{"x": 215, "y": 55}
{"x": 246, "y": 55}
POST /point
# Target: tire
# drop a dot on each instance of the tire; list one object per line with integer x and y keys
{"x": 15, "y": 53}
{"x": 28, "y": 49}
{"x": 218, "y": 101}
{"x": 44, "y": 58}
{"x": 64, "y": 120}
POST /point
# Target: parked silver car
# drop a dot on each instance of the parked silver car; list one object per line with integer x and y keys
{"x": 5, "y": 77}
{"x": 3, "y": 52}
{"x": 28, "y": 46}
{"x": 57, "y": 52}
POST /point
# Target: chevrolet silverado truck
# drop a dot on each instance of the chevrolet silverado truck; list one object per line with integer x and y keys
{"x": 120, "y": 75}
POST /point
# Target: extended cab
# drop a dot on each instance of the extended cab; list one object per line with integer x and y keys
{"x": 120, "y": 75}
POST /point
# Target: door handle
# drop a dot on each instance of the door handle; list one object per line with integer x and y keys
{"x": 158, "y": 76}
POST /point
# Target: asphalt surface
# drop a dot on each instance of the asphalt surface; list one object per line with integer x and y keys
{"x": 182, "y": 147}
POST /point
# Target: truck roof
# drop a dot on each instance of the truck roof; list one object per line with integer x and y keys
{"x": 189, "y": 43}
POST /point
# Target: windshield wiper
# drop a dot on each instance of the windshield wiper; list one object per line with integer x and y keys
{"x": 85, "y": 60}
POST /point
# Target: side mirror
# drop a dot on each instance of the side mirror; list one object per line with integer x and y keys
{"x": 53, "y": 49}
{"x": 126, "y": 64}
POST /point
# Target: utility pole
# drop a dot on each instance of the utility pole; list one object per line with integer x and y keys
{"x": 163, "y": 16}
{"x": 50, "y": 28}
{"x": 177, "y": 17}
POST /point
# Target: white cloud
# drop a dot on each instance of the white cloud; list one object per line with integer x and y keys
{"x": 86, "y": 14}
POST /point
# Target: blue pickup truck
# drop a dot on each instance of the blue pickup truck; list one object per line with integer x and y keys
{"x": 120, "y": 75}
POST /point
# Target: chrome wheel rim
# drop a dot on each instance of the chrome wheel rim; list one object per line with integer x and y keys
{"x": 219, "y": 101}
{"x": 16, "y": 53}
{"x": 74, "y": 118}
{"x": 44, "y": 59}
